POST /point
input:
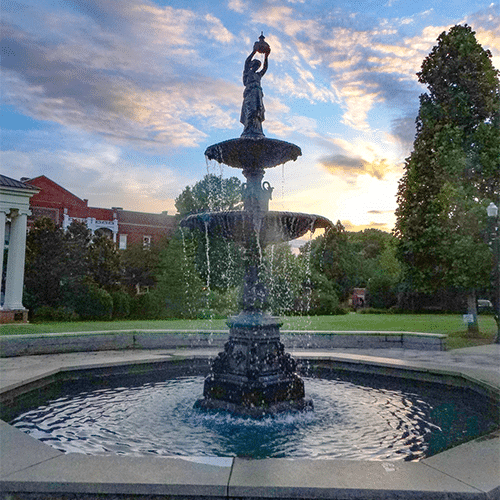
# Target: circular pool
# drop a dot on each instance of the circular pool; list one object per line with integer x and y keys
{"x": 358, "y": 417}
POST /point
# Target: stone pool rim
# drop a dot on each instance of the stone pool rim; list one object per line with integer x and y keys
{"x": 469, "y": 470}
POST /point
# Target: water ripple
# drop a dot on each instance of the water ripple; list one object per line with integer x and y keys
{"x": 350, "y": 421}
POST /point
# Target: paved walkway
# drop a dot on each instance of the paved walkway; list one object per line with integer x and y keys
{"x": 483, "y": 360}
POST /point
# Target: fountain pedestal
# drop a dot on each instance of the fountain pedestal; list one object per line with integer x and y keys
{"x": 253, "y": 375}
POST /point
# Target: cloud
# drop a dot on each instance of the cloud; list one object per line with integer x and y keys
{"x": 403, "y": 131}
{"x": 355, "y": 65}
{"x": 102, "y": 174}
{"x": 237, "y": 6}
{"x": 351, "y": 227}
{"x": 486, "y": 23}
{"x": 117, "y": 72}
{"x": 354, "y": 166}
{"x": 360, "y": 62}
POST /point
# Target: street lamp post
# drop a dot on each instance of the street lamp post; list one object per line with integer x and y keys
{"x": 494, "y": 242}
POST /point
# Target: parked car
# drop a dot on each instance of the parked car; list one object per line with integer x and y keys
{"x": 484, "y": 305}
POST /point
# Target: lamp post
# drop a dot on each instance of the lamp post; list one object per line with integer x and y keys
{"x": 494, "y": 242}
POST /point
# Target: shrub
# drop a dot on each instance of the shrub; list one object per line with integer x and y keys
{"x": 98, "y": 304}
{"x": 45, "y": 314}
{"x": 121, "y": 304}
{"x": 339, "y": 311}
{"x": 147, "y": 306}
{"x": 374, "y": 310}
{"x": 89, "y": 301}
{"x": 217, "y": 305}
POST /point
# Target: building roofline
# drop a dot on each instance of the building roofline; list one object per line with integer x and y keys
{"x": 55, "y": 183}
{"x": 8, "y": 182}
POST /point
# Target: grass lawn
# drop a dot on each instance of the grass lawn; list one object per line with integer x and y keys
{"x": 449, "y": 324}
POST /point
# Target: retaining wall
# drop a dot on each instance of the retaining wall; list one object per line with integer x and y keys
{"x": 52, "y": 343}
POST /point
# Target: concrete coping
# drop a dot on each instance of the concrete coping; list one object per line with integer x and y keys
{"x": 223, "y": 332}
{"x": 31, "y": 344}
{"x": 468, "y": 471}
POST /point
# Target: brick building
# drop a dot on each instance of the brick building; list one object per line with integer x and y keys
{"x": 125, "y": 227}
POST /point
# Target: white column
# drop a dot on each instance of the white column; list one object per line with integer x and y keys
{"x": 15, "y": 261}
{"x": 115, "y": 229}
{"x": 66, "y": 219}
{"x": 3, "y": 221}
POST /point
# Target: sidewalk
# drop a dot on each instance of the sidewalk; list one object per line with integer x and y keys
{"x": 483, "y": 361}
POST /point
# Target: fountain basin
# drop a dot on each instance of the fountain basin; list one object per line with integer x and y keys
{"x": 355, "y": 417}
{"x": 250, "y": 153}
{"x": 31, "y": 468}
{"x": 271, "y": 227}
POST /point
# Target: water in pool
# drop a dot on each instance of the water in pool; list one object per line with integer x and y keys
{"x": 358, "y": 419}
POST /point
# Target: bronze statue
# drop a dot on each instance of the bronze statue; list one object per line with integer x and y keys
{"x": 252, "y": 110}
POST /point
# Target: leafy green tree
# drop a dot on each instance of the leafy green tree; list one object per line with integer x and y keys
{"x": 104, "y": 258}
{"x": 179, "y": 285}
{"x": 76, "y": 242}
{"x": 344, "y": 258}
{"x": 212, "y": 193}
{"x": 453, "y": 170}
{"x": 44, "y": 269}
{"x": 140, "y": 265}
{"x": 218, "y": 260}
{"x": 382, "y": 287}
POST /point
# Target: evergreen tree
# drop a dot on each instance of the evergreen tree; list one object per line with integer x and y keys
{"x": 105, "y": 265}
{"x": 179, "y": 286}
{"x": 218, "y": 260}
{"x": 454, "y": 169}
{"x": 44, "y": 268}
{"x": 76, "y": 242}
{"x": 140, "y": 265}
{"x": 211, "y": 194}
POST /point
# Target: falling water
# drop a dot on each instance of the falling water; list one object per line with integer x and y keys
{"x": 207, "y": 253}
{"x": 215, "y": 196}
{"x": 271, "y": 270}
{"x": 186, "y": 272}
{"x": 308, "y": 253}
{"x": 283, "y": 186}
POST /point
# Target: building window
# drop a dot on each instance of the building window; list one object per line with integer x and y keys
{"x": 146, "y": 241}
{"x": 123, "y": 242}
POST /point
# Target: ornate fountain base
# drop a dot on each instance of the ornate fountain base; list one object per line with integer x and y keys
{"x": 254, "y": 376}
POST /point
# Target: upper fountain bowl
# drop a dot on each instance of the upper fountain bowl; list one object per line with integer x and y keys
{"x": 248, "y": 153}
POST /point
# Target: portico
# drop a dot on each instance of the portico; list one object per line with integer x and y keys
{"x": 14, "y": 211}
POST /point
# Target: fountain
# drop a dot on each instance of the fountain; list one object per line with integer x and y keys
{"x": 254, "y": 375}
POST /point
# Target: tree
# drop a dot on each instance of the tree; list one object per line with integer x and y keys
{"x": 76, "y": 242}
{"x": 44, "y": 269}
{"x": 382, "y": 287}
{"x": 212, "y": 193}
{"x": 104, "y": 260}
{"x": 179, "y": 285}
{"x": 454, "y": 169}
{"x": 140, "y": 265}
{"x": 331, "y": 255}
{"x": 218, "y": 260}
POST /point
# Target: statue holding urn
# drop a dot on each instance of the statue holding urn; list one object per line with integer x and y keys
{"x": 252, "y": 111}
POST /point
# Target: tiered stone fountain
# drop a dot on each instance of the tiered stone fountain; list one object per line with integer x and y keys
{"x": 253, "y": 375}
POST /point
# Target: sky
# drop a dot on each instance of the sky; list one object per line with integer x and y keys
{"x": 117, "y": 100}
